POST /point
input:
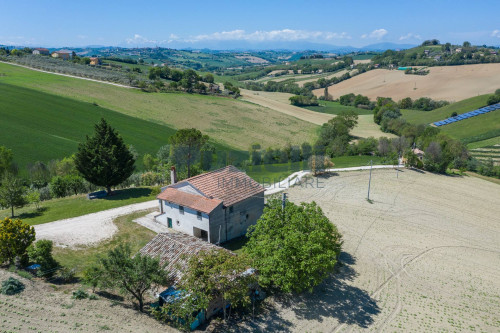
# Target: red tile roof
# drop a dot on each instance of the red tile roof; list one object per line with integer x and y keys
{"x": 227, "y": 185}
{"x": 175, "y": 249}
{"x": 196, "y": 202}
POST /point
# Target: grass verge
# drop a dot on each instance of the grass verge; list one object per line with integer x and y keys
{"x": 128, "y": 232}
{"x": 64, "y": 208}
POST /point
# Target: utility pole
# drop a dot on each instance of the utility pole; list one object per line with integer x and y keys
{"x": 283, "y": 201}
{"x": 370, "y": 181}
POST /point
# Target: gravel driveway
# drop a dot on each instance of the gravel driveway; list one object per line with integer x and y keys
{"x": 87, "y": 229}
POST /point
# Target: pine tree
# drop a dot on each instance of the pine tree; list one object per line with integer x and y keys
{"x": 104, "y": 159}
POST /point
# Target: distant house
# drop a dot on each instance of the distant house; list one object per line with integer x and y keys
{"x": 458, "y": 50}
{"x": 41, "y": 50}
{"x": 216, "y": 206}
{"x": 437, "y": 58}
{"x": 427, "y": 52}
{"x": 95, "y": 61}
{"x": 63, "y": 54}
{"x": 420, "y": 153}
{"x": 493, "y": 52}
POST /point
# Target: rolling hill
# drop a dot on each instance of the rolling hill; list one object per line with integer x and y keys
{"x": 450, "y": 83}
{"x": 230, "y": 122}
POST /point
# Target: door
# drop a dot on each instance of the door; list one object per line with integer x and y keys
{"x": 169, "y": 221}
{"x": 204, "y": 235}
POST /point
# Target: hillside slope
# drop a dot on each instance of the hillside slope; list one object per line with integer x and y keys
{"x": 450, "y": 83}
{"x": 228, "y": 121}
{"x": 40, "y": 127}
{"x": 474, "y": 129}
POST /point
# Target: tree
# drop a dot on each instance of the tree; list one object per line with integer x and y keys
{"x": 41, "y": 253}
{"x": 406, "y": 103}
{"x": 293, "y": 249}
{"x": 218, "y": 275}
{"x": 6, "y": 157}
{"x": 186, "y": 145}
{"x": 12, "y": 193}
{"x": 33, "y": 197}
{"x": 15, "y": 238}
{"x": 130, "y": 275}
{"x": 104, "y": 159}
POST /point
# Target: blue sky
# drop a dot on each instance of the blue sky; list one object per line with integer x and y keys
{"x": 203, "y": 23}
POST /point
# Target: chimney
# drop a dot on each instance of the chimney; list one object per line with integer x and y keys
{"x": 173, "y": 175}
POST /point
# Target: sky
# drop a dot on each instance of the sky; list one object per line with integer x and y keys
{"x": 221, "y": 23}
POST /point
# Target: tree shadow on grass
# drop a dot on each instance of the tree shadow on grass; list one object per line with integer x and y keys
{"x": 32, "y": 214}
{"x": 336, "y": 298}
{"x": 128, "y": 194}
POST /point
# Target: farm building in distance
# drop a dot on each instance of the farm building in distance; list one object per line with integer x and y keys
{"x": 41, "y": 50}
{"x": 63, "y": 54}
{"x": 95, "y": 61}
{"x": 216, "y": 206}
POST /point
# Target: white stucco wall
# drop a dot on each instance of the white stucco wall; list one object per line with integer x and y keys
{"x": 187, "y": 221}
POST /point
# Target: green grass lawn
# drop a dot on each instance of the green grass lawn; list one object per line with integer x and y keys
{"x": 335, "y": 108}
{"x": 128, "y": 232}
{"x": 273, "y": 173}
{"x": 354, "y": 161}
{"x": 63, "y": 208}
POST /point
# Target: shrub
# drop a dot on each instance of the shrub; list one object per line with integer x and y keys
{"x": 156, "y": 190}
{"x": 41, "y": 253}
{"x": 15, "y": 238}
{"x": 66, "y": 275}
{"x": 80, "y": 294}
{"x": 12, "y": 286}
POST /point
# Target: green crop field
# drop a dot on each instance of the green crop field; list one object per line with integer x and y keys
{"x": 426, "y": 117}
{"x": 480, "y": 128}
{"x": 40, "y": 127}
{"x": 335, "y": 108}
{"x": 227, "y": 121}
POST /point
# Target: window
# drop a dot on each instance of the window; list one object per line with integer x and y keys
{"x": 231, "y": 210}
{"x": 181, "y": 209}
{"x": 198, "y": 215}
{"x": 178, "y": 222}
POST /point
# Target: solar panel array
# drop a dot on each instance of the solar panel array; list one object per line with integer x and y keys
{"x": 467, "y": 115}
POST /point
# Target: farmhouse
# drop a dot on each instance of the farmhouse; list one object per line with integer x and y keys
{"x": 41, "y": 50}
{"x": 95, "y": 61}
{"x": 216, "y": 206}
{"x": 63, "y": 54}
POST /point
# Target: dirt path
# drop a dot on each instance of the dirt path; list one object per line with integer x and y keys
{"x": 67, "y": 75}
{"x": 87, "y": 229}
{"x": 265, "y": 99}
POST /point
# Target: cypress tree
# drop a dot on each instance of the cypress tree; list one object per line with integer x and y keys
{"x": 104, "y": 159}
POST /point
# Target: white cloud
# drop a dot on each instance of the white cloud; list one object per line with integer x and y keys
{"x": 138, "y": 39}
{"x": 495, "y": 33}
{"x": 376, "y": 34}
{"x": 410, "y": 36}
{"x": 273, "y": 35}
